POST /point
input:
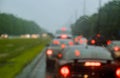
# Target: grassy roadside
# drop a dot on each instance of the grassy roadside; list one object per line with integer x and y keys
{"x": 16, "y": 63}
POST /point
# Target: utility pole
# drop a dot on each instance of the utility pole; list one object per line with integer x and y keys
{"x": 84, "y": 7}
{"x": 75, "y": 17}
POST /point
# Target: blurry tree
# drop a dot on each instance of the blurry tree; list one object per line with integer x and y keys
{"x": 11, "y": 25}
{"x": 106, "y": 22}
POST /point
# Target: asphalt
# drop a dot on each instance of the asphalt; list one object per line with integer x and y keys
{"x": 36, "y": 69}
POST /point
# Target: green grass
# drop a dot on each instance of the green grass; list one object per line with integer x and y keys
{"x": 15, "y": 54}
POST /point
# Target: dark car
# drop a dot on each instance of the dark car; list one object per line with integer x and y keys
{"x": 86, "y": 62}
{"x": 53, "y": 51}
{"x": 98, "y": 40}
{"x": 114, "y": 48}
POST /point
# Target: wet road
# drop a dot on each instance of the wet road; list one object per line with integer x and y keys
{"x": 35, "y": 69}
{"x": 39, "y": 70}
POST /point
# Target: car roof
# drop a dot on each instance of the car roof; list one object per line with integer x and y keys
{"x": 63, "y": 39}
{"x": 87, "y": 52}
{"x": 116, "y": 43}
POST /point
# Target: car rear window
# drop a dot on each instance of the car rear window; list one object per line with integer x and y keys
{"x": 89, "y": 52}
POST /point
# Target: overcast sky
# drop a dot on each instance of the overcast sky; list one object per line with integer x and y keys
{"x": 50, "y": 14}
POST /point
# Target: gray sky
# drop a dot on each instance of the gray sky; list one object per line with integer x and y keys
{"x": 49, "y": 14}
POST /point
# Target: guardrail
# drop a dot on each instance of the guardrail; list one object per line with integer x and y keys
{"x": 30, "y": 67}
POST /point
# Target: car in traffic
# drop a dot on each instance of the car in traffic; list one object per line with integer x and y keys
{"x": 63, "y": 36}
{"x": 99, "y": 40}
{"x": 53, "y": 51}
{"x": 82, "y": 41}
{"x": 86, "y": 62}
{"x": 114, "y": 48}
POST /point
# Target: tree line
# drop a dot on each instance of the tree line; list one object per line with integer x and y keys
{"x": 105, "y": 22}
{"x": 12, "y": 25}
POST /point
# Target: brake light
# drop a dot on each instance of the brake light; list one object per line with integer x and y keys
{"x": 63, "y": 29}
{"x": 81, "y": 41}
{"x": 79, "y": 37}
{"x": 76, "y": 39}
{"x": 118, "y": 72}
{"x": 63, "y": 46}
{"x": 59, "y": 55}
{"x": 93, "y": 41}
{"x": 108, "y": 42}
{"x": 116, "y": 48}
{"x": 65, "y": 71}
{"x": 92, "y": 64}
{"x": 63, "y": 36}
{"x": 56, "y": 42}
{"x": 49, "y": 52}
{"x": 71, "y": 43}
{"x": 77, "y": 53}
{"x": 98, "y": 35}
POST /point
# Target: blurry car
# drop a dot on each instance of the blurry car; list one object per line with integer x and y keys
{"x": 53, "y": 51}
{"x": 63, "y": 36}
{"x": 82, "y": 41}
{"x": 86, "y": 62}
{"x": 114, "y": 48}
{"x": 99, "y": 40}
{"x": 77, "y": 39}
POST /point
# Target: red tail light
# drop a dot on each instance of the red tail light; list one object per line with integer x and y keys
{"x": 49, "y": 52}
{"x": 98, "y": 35}
{"x": 63, "y": 29}
{"x": 63, "y": 36}
{"x": 80, "y": 36}
{"x": 63, "y": 46}
{"x": 65, "y": 71}
{"x": 77, "y": 53}
{"x": 59, "y": 55}
{"x": 108, "y": 42}
{"x": 118, "y": 73}
{"x": 71, "y": 43}
{"x": 116, "y": 48}
{"x": 81, "y": 41}
{"x": 92, "y": 64}
{"x": 93, "y": 41}
{"x": 56, "y": 42}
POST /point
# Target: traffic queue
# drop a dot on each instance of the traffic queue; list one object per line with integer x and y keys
{"x": 79, "y": 57}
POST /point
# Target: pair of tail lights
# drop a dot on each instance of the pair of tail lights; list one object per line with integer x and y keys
{"x": 65, "y": 71}
{"x": 94, "y": 41}
{"x": 64, "y": 45}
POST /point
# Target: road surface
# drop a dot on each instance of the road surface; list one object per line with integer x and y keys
{"x": 35, "y": 69}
